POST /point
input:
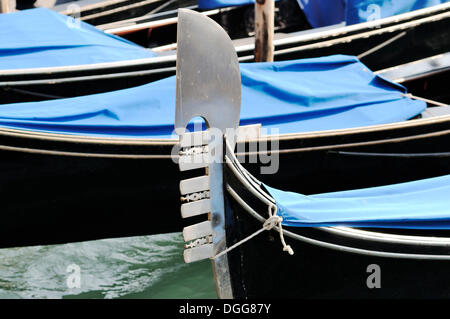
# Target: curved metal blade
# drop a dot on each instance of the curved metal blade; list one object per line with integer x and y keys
{"x": 208, "y": 76}
{"x": 209, "y": 86}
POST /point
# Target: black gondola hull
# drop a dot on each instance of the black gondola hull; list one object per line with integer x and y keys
{"x": 428, "y": 36}
{"x": 259, "y": 268}
{"x": 57, "y": 188}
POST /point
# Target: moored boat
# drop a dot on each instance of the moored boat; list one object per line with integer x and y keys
{"x": 107, "y": 11}
{"x": 379, "y": 44}
{"x": 236, "y": 17}
{"x": 84, "y": 168}
{"x": 373, "y": 202}
{"x": 315, "y": 27}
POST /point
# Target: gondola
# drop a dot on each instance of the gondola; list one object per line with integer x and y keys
{"x": 159, "y": 30}
{"x": 137, "y": 19}
{"x": 425, "y": 29}
{"x": 49, "y": 81}
{"x": 393, "y": 33}
{"x": 101, "y": 12}
{"x": 67, "y": 178}
{"x": 68, "y": 187}
{"x": 359, "y": 173}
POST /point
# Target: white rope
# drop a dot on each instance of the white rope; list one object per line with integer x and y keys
{"x": 270, "y": 223}
{"x": 424, "y": 99}
{"x": 273, "y": 214}
{"x": 382, "y": 45}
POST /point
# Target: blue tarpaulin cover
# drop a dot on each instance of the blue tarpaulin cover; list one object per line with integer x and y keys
{"x": 214, "y": 4}
{"x": 367, "y": 10}
{"x": 293, "y": 96}
{"x": 321, "y": 13}
{"x": 43, "y": 38}
{"x": 423, "y": 204}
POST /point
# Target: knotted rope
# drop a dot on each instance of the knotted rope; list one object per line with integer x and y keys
{"x": 270, "y": 223}
{"x": 424, "y": 99}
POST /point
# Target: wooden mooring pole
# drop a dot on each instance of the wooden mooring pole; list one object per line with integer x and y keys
{"x": 264, "y": 24}
{"x": 7, "y": 6}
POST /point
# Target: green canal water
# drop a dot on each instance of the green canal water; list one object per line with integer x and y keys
{"x": 134, "y": 267}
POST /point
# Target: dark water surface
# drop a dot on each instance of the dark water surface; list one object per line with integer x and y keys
{"x": 134, "y": 267}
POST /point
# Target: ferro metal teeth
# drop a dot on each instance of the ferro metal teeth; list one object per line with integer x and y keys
{"x": 199, "y": 242}
{"x": 198, "y": 253}
{"x": 196, "y": 208}
{"x": 197, "y": 231}
{"x": 201, "y": 246}
{"x": 193, "y": 185}
{"x": 194, "y": 150}
{"x": 195, "y": 196}
{"x": 194, "y": 154}
{"x": 194, "y": 139}
{"x": 195, "y": 161}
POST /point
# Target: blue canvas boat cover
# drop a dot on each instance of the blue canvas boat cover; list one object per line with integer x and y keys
{"x": 321, "y": 13}
{"x": 368, "y": 10}
{"x": 214, "y": 4}
{"x": 423, "y": 204}
{"x": 43, "y": 38}
{"x": 326, "y": 93}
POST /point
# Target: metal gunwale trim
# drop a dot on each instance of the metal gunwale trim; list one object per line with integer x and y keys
{"x": 423, "y": 75}
{"x": 266, "y": 200}
{"x": 94, "y": 5}
{"x": 363, "y": 129}
{"x": 415, "y": 76}
{"x": 389, "y": 29}
{"x": 346, "y": 231}
{"x": 391, "y": 238}
{"x": 142, "y": 26}
{"x": 151, "y": 24}
{"x": 88, "y": 67}
{"x": 117, "y": 9}
{"x": 431, "y": 58}
{"x": 87, "y": 77}
{"x": 162, "y": 22}
{"x": 85, "y": 139}
{"x": 173, "y": 142}
{"x": 413, "y": 15}
{"x": 142, "y": 19}
{"x": 81, "y": 154}
{"x": 339, "y": 146}
{"x": 248, "y": 184}
{"x": 393, "y": 155}
{"x": 238, "y": 169}
{"x": 341, "y": 248}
